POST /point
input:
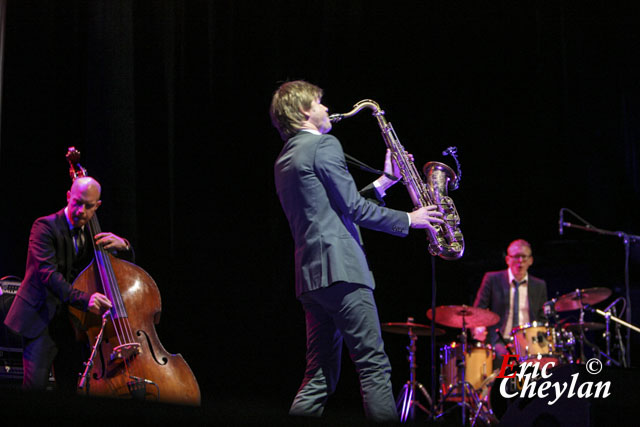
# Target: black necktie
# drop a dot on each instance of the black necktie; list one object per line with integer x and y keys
{"x": 78, "y": 239}
{"x": 516, "y": 302}
{"x": 516, "y": 305}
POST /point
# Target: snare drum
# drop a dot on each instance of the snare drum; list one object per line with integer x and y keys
{"x": 478, "y": 365}
{"x": 536, "y": 341}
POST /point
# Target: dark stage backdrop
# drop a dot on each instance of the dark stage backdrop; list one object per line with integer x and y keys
{"x": 167, "y": 101}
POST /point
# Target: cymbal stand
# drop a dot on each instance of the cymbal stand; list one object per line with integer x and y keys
{"x": 562, "y": 341}
{"x": 463, "y": 371}
{"x": 607, "y": 334}
{"x": 581, "y": 322}
{"x": 609, "y": 311}
{"x": 406, "y": 401}
{"x": 583, "y": 338}
{"x": 608, "y": 316}
{"x": 463, "y": 386}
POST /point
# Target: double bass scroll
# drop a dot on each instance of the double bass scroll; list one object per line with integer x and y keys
{"x": 128, "y": 360}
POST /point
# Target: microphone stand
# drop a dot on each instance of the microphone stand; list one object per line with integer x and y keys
{"x": 611, "y": 309}
{"x": 620, "y": 343}
{"x": 627, "y": 240}
{"x": 608, "y": 316}
{"x": 433, "y": 336}
{"x": 83, "y": 382}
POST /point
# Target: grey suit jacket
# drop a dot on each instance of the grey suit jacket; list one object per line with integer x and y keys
{"x": 324, "y": 209}
{"x": 494, "y": 295}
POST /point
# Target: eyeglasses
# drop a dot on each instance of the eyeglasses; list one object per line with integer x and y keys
{"x": 521, "y": 257}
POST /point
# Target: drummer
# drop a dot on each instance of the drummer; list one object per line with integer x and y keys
{"x": 513, "y": 294}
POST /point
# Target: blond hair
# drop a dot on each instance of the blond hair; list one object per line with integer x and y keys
{"x": 287, "y": 104}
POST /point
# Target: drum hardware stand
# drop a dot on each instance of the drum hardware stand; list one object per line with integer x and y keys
{"x": 463, "y": 385}
{"x": 581, "y": 321}
{"x": 562, "y": 342}
{"x": 600, "y": 353}
{"x": 620, "y": 344}
{"x": 627, "y": 239}
{"x": 461, "y": 317}
{"x": 608, "y": 316}
{"x": 406, "y": 401}
{"x": 607, "y": 334}
{"x": 583, "y": 337}
{"x": 611, "y": 310}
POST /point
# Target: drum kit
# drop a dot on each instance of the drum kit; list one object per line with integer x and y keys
{"x": 467, "y": 368}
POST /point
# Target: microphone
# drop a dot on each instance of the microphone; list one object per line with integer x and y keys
{"x": 450, "y": 151}
{"x": 561, "y": 221}
{"x": 141, "y": 380}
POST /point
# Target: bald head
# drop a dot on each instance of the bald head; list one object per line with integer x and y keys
{"x": 85, "y": 184}
{"x": 83, "y": 199}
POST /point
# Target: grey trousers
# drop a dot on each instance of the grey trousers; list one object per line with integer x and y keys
{"x": 344, "y": 311}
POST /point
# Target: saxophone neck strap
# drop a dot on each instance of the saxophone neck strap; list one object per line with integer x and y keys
{"x": 363, "y": 166}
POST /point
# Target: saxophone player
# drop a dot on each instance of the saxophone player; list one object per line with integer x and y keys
{"x": 332, "y": 278}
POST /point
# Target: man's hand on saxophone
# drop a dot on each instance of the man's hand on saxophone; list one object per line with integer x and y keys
{"x": 391, "y": 168}
{"x": 425, "y": 217}
{"x": 420, "y": 218}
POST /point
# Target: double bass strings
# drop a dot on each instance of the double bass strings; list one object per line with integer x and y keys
{"x": 109, "y": 282}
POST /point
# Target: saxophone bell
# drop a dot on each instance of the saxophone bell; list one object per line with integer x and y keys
{"x": 448, "y": 242}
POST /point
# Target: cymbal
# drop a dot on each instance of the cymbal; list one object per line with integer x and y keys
{"x": 572, "y": 301}
{"x": 403, "y": 328}
{"x": 453, "y": 316}
{"x": 586, "y": 326}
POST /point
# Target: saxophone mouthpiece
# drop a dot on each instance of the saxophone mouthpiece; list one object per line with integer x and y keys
{"x": 335, "y": 118}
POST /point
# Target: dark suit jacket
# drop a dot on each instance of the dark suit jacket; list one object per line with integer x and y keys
{"x": 494, "y": 295}
{"x": 51, "y": 268}
{"x": 324, "y": 209}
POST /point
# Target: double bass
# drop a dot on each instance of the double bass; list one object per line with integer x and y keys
{"x": 127, "y": 359}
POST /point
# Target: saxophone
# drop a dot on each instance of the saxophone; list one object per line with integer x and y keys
{"x": 445, "y": 240}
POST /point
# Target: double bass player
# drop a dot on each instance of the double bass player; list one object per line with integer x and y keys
{"x": 59, "y": 249}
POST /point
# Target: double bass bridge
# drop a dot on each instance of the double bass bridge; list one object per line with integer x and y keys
{"x": 125, "y": 352}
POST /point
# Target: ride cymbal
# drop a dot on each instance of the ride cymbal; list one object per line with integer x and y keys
{"x": 577, "y": 299}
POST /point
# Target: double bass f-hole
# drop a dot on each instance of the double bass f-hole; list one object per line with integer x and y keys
{"x": 126, "y": 363}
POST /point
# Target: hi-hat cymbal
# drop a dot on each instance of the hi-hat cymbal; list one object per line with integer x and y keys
{"x": 456, "y": 315}
{"x": 576, "y": 300}
{"x": 586, "y": 326}
{"x": 405, "y": 328}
